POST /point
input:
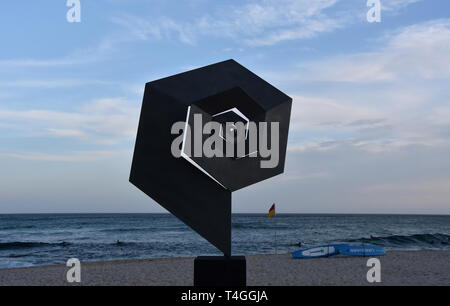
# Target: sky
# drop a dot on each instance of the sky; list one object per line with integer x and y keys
{"x": 370, "y": 126}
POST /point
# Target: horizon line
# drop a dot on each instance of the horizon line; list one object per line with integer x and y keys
{"x": 238, "y": 213}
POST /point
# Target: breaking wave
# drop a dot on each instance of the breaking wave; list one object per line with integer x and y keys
{"x": 417, "y": 240}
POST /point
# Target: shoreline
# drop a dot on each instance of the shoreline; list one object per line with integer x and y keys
{"x": 414, "y": 268}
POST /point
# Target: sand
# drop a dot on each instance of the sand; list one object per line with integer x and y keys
{"x": 397, "y": 268}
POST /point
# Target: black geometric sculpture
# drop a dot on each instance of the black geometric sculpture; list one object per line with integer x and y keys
{"x": 198, "y": 190}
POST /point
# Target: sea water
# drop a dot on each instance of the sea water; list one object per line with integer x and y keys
{"x": 28, "y": 240}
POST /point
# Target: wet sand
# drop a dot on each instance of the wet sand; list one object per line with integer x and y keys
{"x": 419, "y": 268}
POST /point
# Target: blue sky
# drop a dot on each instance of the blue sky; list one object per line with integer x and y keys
{"x": 370, "y": 128}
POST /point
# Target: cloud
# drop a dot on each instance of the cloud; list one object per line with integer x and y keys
{"x": 68, "y": 133}
{"x": 38, "y": 62}
{"x": 103, "y": 121}
{"x": 72, "y": 157}
{"x": 99, "y": 52}
{"x": 393, "y": 5}
{"x": 417, "y": 51}
{"x": 316, "y": 146}
{"x": 254, "y": 23}
{"x": 317, "y": 113}
{"x": 322, "y": 175}
{"x": 50, "y": 83}
{"x": 416, "y": 193}
{"x": 164, "y": 28}
{"x": 440, "y": 116}
{"x": 273, "y": 21}
{"x": 391, "y": 145}
{"x": 324, "y": 124}
{"x": 390, "y": 100}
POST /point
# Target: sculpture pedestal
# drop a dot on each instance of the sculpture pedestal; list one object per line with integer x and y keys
{"x": 220, "y": 271}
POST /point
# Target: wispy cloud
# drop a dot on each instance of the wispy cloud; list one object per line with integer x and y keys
{"x": 387, "y": 100}
{"x": 50, "y": 83}
{"x": 322, "y": 175}
{"x": 322, "y": 124}
{"x": 104, "y": 121}
{"x": 392, "y": 5}
{"x": 419, "y": 193}
{"x": 39, "y": 62}
{"x": 418, "y": 51}
{"x": 78, "y": 56}
{"x": 72, "y": 157}
{"x": 322, "y": 113}
{"x": 254, "y": 23}
{"x": 315, "y": 146}
{"x": 257, "y": 23}
{"x": 165, "y": 28}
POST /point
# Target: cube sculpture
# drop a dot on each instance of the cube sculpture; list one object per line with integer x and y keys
{"x": 197, "y": 190}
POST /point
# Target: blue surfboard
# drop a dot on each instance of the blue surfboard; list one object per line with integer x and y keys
{"x": 317, "y": 251}
{"x": 360, "y": 250}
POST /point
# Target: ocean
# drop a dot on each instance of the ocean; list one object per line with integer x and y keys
{"x": 45, "y": 239}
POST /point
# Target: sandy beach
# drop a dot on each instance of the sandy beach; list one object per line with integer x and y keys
{"x": 397, "y": 268}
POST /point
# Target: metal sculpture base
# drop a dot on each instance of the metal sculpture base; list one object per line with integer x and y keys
{"x": 220, "y": 271}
